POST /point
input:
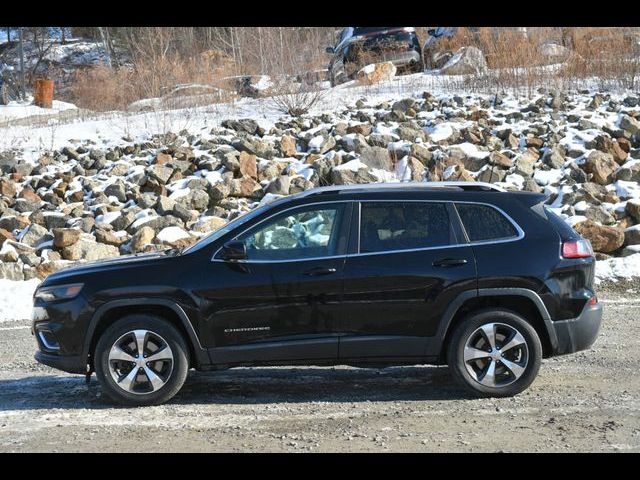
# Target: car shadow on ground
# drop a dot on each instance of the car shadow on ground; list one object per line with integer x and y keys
{"x": 248, "y": 386}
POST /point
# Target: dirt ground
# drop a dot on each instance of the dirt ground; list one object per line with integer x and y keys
{"x": 589, "y": 401}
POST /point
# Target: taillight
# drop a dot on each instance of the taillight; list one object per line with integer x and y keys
{"x": 593, "y": 300}
{"x": 577, "y": 249}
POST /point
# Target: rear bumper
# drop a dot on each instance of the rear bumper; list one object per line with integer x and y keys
{"x": 66, "y": 363}
{"x": 578, "y": 333}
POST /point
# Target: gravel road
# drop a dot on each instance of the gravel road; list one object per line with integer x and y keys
{"x": 589, "y": 401}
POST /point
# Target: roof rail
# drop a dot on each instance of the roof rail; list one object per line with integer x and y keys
{"x": 466, "y": 186}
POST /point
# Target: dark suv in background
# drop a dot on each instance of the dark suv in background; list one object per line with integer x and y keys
{"x": 463, "y": 274}
{"x": 357, "y": 47}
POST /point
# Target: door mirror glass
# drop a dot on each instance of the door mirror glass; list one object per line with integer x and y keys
{"x": 432, "y": 32}
{"x": 329, "y": 50}
{"x": 233, "y": 251}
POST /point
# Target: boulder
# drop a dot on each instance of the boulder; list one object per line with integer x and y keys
{"x": 209, "y": 224}
{"x": 141, "y": 238}
{"x": 280, "y": 186}
{"x": 65, "y": 237}
{"x": 603, "y": 239}
{"x": 244, "y": 187}
{"x": 499, "y": 160}
{"x": 633, "y": 209}
{"x": 85, "y": 249}
{"x": 11, "y": 271}
{"x": 376, "y": 73}
{"x": 632, "y": 235}
{"x": 7, "y": 188}
{"x": 174, "y": 237}
{"x": 524, "y": 163}
{"x": 247, "y": 165}
{"x": 110, "y": 238}
{"x": 34, "y": 235}
{"x": 465, "y": 61}
{"x": 5, "y": 235}
{"x": 161, "y": 173}
{"x": 601, "y": 165}
{"x": 630, "y": 124}
{"x": 376, "y": 157}
{"x": 288, "y": 145}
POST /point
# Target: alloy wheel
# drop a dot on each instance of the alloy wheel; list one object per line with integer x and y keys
{"x": 140, "y": 362}
{"x": 496, "y": 355}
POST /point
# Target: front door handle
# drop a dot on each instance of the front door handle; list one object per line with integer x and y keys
{"x": 314, "y": 272}
{"x": 449, "y": 262}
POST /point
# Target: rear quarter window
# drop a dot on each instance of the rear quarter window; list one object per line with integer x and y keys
{"x": 483, "y": 222}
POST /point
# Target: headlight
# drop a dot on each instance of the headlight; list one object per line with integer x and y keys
{"x": 59, "y": 292}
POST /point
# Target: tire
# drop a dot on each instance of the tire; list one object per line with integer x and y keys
{"x": 514, "y": 368}
{"x": 115, "y": 362}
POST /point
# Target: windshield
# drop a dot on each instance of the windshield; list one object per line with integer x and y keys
{"x": 216, "y": 234}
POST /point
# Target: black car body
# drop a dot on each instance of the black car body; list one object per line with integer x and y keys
{"x": 360, "y": 46}
{"x": 388, "y": 282}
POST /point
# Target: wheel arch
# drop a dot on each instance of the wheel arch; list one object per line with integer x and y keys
{"x": 522, "y": 301}
{"x": 111, "y": 311}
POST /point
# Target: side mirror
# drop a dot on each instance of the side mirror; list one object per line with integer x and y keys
{"x": 233, "y": 251}
{"x": 330, "y": 50}
{"x": 432, "y": 32}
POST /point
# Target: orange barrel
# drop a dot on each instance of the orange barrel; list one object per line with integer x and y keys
{"x": 43, "y": 96}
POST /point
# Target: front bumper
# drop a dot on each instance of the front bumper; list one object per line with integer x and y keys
{"x": 66, "y": 363}
{"x": 578, "y": 333}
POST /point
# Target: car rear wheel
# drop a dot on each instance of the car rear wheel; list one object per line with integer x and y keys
{"x": 495, "y": 353}
{"x": 141, "y": 360}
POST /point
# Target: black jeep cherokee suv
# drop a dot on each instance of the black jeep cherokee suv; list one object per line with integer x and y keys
{"x": 486, "y": 281}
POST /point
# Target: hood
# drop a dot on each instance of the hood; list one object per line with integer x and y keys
{"x": 107, "y": 265}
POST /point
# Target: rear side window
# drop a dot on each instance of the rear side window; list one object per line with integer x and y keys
{"x": 483, "y": 222}
{"x": 386, "y": 226}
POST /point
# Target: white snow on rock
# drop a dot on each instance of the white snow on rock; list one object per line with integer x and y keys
{"x": 16, "y": 299}
{"x": 353, "y": 165}
{"x": 547, "y": 177}
{"x": 107, "y": 218}
{"x": 440, "y": 132}
{"x": 171, "y": 234}
{"x": 616, "y": 268}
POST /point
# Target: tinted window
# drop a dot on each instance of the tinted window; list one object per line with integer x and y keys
{"x": 404, "y": 225}
{"x": 300, "y": 234}
{"x": 365, "y": 30}
{"x": 483, "y": 222}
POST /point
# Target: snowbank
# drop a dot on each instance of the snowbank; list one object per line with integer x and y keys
{"x": 16, "y": 110}
{"x": 16, "y": 299}
{"x": 618, "y": 268}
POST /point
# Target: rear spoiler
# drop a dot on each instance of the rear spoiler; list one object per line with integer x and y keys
{"x": 530, "y": 199}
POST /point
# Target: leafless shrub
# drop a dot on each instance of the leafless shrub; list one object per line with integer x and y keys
{"x": 298, "y": 102}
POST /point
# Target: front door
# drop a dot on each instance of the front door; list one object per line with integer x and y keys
{"x": 281, "y": 303}
{"x": 410, "y": 263}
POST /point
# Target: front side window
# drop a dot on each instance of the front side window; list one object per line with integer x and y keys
{"x": 483, "y": 222}
{"x": 388, "y": 226}
{"x": 307, "y": 233}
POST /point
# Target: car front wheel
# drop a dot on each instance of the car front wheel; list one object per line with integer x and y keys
{"x": 495, "y": 353}
{"x": 141, "y": 360}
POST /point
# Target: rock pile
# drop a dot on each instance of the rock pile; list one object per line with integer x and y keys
{"x": 81, "y": 203}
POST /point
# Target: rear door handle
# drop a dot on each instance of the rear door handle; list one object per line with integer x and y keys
{"x": 449, "y": 262}
{"x": 314, "y": 272}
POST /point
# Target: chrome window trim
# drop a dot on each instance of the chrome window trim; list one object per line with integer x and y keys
{"x": 515, "y": 238}
{"x": 520, "y": 233}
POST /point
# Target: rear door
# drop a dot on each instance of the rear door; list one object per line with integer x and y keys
{"x": 407, "y": 262}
